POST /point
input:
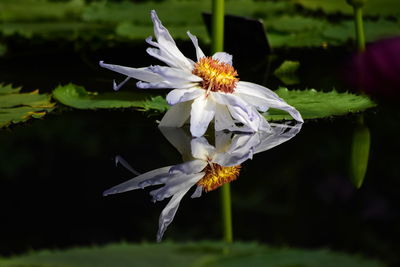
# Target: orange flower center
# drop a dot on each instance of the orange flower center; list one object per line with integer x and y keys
{"x": 217, "y": 175}
{"x": 216, "y": 75}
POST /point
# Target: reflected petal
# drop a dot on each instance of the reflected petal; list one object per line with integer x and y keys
{"x": 201, "y": 149}
{"x": 202, "y": 113}
{"x": 134, "y": 183}
{"x": 176, "y": 115}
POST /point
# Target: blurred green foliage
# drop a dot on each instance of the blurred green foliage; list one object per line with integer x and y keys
{"x": 190, "y": 254}
{"x": 290, "y": 23}
{"x": 17, "y": 107}
{"x": 371, "y": 8}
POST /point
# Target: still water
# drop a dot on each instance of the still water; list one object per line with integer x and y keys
{"x": 53, "y": 171}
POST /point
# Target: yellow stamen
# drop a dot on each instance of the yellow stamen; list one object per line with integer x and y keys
{"x": 217, "y": 175}
{"x": 216, "y": 75}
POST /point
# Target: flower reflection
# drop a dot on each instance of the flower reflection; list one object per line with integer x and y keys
{"x": 206, "y": 90}
{"x": 206, "y": 166}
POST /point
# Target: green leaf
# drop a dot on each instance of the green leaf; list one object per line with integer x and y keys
{"x": 77, "y": 97}
{"x": 359, "y": 153}
{"x": 17, "y": 107}
{"x": 286, "y": 72}
{"x": 313, "y": 104}
{"x": 189, "y": 255}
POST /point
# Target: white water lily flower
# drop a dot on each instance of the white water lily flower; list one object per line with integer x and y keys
{"x": 204, "y": 90}
{"x": 207, "y": 166}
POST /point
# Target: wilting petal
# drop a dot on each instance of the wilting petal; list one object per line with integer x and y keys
{"x": 199, "y": 52}
{"x": 177, "y": 115}
{"x": 168, "y": 213}
{"x": 167, "y": 46}
{"x": 201, "y": 149}
{"x": 223, "y": 119}
{"x": 256, "y": 90}
{"x": 189, "y": 167}
{"x": 223, "y": 57}
{"x": 240, "y": 150}
{"x": 143, "y": 74}
{"x": 202, "y": 113}
{"x": 163, "y": 85}
{"x": 240, "y": 110}
{"x": 197, "y": 192}
{"x": 180, "y": 139}
{"x": 223, "y": 140}
{"x": 278, "y": 136}
{"x": 180, "y": 182}
{"x": 174, "y": 75}
{"x": 134, "y": 183}
{"x": 183, "y": 95}
{"x": 263, "y": 98}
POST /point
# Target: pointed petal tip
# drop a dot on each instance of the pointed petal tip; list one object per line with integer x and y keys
{"x": 107, "y": 193}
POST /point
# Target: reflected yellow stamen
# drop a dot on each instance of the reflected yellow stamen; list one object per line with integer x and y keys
{"x": 217, "y": 175}
{"x": 216, "y": 75}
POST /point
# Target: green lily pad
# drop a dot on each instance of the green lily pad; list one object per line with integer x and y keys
{"x": 313, "y": 104}
{"x": 17, "y": 107}
{"x": 310, "y": 103}
{"x": 77, "y": 97}
{"x": 189, "y": 254}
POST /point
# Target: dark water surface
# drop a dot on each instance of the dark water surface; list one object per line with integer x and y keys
{"x": 53, "y": 171}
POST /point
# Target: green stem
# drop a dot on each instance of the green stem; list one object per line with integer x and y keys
{"x": 217, "y": 45}
{"x": 217, "y": 26}
{"x": 226, "y": 211}
{"x": 360, "y": 36}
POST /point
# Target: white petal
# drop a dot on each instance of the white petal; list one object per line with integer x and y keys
{"x": 168, "y": 49}
{"x": 163, "y": 85}
{"x": 223, "y": 57}
{"x": 256, "y": 90}
{"x": 189, "y": 167}
{"x": 174, "y": 75}
{"x": 183, "y": 95}
{"x": 223, "y": 140}
{"x": 197, "y": 192}
{"x": 278, "y": 136}
{"x": 239, "y": 109}
{"x": 134, "y": 183}
{"x": 180, "y": 182}
{"x": 160, "y": 179}
{"x": 168, "y": 213}
{"x": 199, "y": 52}
{"x": 223, "y": 119}
{"x": 143, "y": 74}
{"x": 201, "y": 149}
{"x": 240, "y": 150}
{"x": 180, "y": 139}
{"x": 176, "y": 115}
{"x": 203, "y": 110}
{"x": 263, "y": 98}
